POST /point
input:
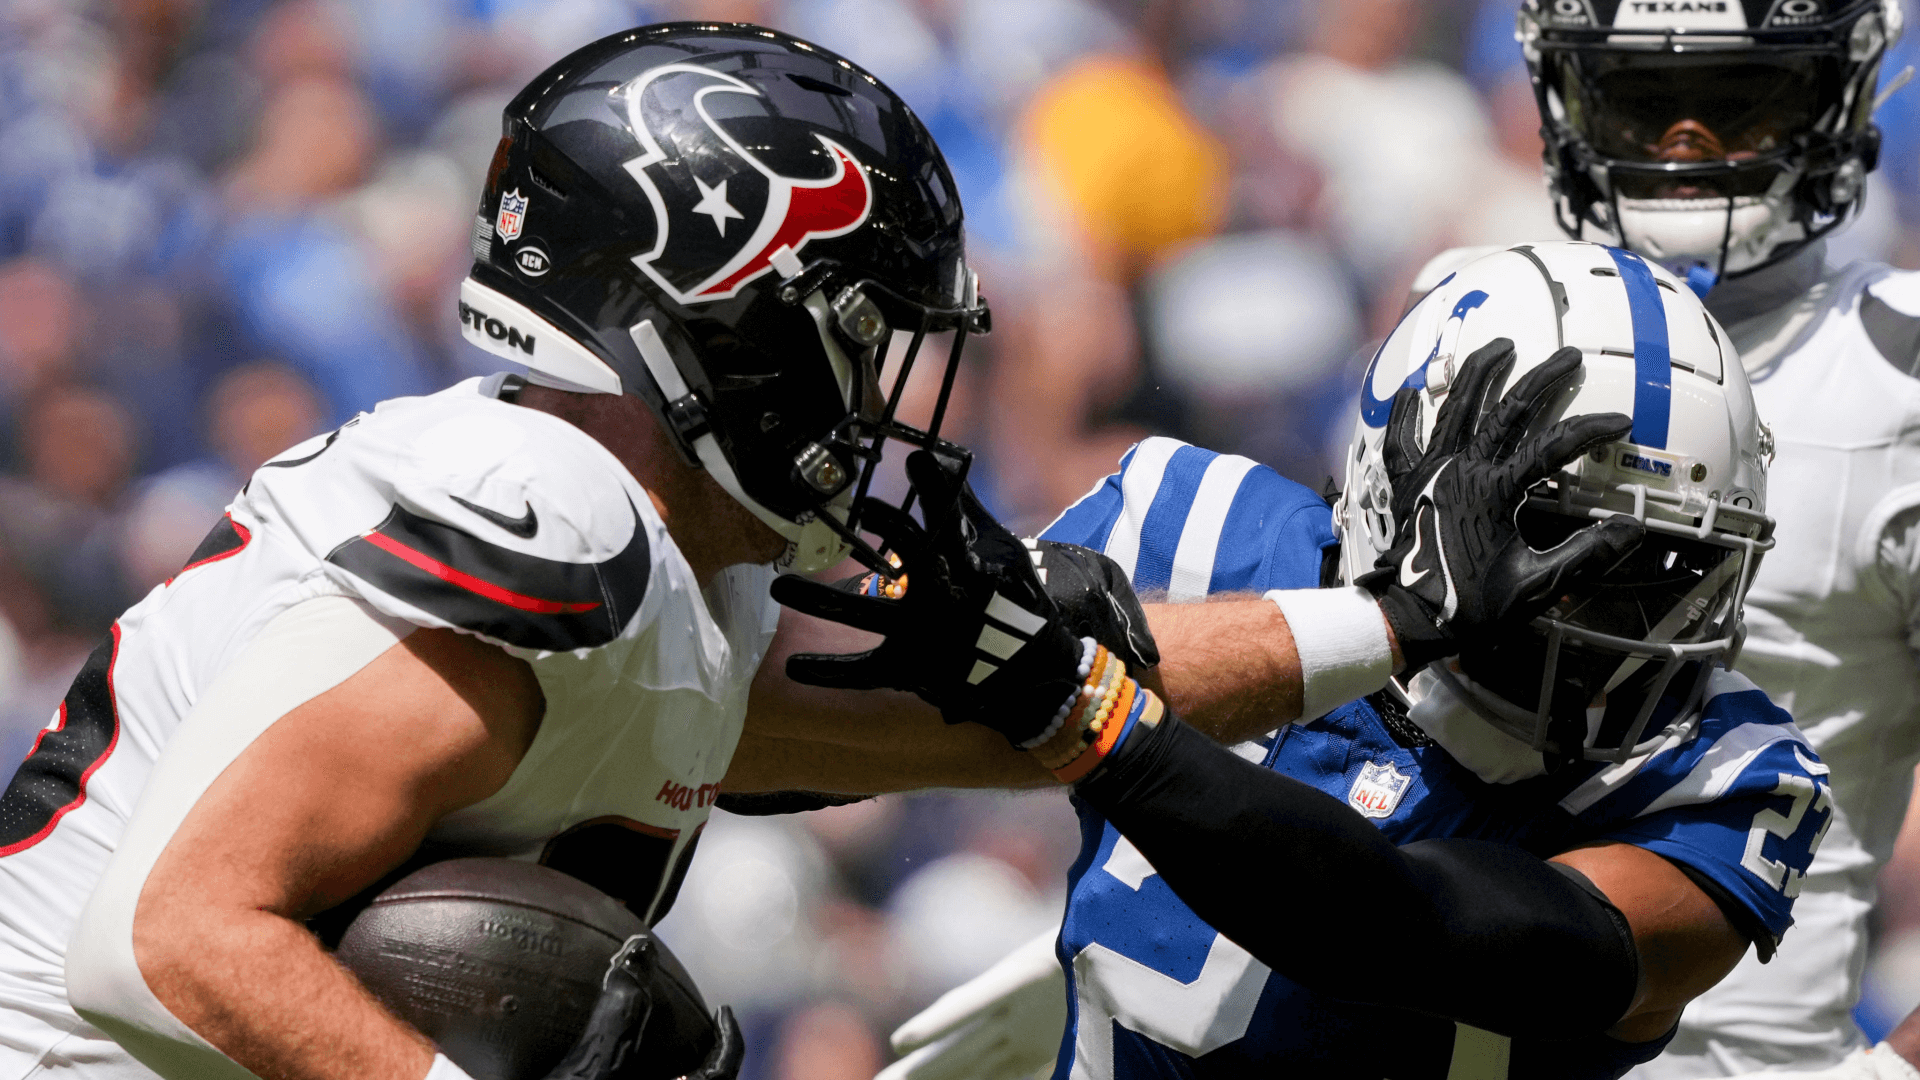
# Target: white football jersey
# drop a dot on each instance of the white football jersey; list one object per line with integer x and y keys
{"x": 455, "y": 510}
{"x": 1832, "y": 620}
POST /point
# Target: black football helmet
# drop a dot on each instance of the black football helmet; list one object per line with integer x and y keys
{"x": 1713, "y": 136}
{"x": 732, "y": 224}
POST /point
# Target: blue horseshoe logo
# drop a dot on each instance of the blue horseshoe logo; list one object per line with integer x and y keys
{"x": 1374, "y": 411}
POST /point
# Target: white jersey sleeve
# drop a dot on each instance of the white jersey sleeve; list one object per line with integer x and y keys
{"x": 464, "y": 512}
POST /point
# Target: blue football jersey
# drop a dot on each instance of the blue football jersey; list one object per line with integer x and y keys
{"x": 1736, "y": 797}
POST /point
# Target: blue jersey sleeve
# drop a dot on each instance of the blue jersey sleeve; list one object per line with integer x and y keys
{"x": 1193, "y": 522}
{"x": 1744, "y": 802}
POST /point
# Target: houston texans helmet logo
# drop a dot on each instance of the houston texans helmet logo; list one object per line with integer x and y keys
{"x": 706, "y": 248}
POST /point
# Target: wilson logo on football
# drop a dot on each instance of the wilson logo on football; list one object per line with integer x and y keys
{"x": 721, "y": 230}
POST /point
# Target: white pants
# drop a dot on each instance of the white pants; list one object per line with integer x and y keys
{"x": 1792, "y": 1013}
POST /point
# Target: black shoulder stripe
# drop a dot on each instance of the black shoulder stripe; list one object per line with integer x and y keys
{"x": 1895, "y": 334}
{"x": 295, "y": 462}
{"x": 225, "y": 541}
{"x": 53, "y": 780}
{"x": 511, "y": 596}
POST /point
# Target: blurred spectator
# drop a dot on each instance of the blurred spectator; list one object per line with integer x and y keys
{"x": 253, "y": 413}
{"x": 828, "y": 1042}
{"x": 78, "y": 447}
{"x": 1074, "y": 359}
{"x": 744, "y": 921}
{"x": 1402, "y": 143}
{"x": 1114, "y": 161}
{"x": 957, "y": 916}
{"x": 39, "y": 327}
{"x": 1256, "y": 331}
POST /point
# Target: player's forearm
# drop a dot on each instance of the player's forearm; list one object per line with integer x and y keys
{"x": 952, "y": 757}
{"x": 260, "y": 989}
{"x": 1232, "y": 667}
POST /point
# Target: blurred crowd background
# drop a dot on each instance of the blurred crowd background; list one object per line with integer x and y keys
{"x": 226, "y": 225}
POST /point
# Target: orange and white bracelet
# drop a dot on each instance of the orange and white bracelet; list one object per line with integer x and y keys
{"x": 1096, "y": 718}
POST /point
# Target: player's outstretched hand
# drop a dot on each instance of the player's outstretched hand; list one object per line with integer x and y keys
{"x": 975, "y": 634}
{"x": 1004, "y": 1024}
{"x": 1458, "y": 566}
{"x": 1880, "y": 1063}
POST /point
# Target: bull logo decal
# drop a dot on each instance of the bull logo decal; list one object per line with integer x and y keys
{"x": 722, "y": 214}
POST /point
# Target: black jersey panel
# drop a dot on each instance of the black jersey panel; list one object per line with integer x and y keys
{"x": 507, "y": 595}
{"x": 53, "y": 779}
{"x": 226, "y": 540}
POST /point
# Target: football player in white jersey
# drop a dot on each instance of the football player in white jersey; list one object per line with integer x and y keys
{"x": 518, "y": 617}
{"x": 1723, "y": 141}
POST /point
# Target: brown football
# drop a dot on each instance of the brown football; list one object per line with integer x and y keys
{"x": 499, "y": 962}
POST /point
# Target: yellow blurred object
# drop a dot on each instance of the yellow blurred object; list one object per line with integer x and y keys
{"x": 1135, "y": 172}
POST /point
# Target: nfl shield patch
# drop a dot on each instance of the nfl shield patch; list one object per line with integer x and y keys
{"x": 513, "y": 215}
{"x": 1377, "y": 791}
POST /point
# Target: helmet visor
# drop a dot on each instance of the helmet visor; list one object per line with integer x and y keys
{"x": 1693, "y": 109}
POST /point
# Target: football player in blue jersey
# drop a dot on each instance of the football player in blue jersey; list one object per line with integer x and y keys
{"x": 1519, "y": 862}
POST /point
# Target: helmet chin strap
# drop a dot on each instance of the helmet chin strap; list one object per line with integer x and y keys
{"x": 812, "y": 544}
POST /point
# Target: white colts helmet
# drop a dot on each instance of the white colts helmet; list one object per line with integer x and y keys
{"x": 1588, "y": 678}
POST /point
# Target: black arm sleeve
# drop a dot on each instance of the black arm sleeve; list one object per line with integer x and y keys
{"x": 1480, "y": 932}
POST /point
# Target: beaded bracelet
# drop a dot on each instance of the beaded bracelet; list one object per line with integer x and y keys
{"x": 1100, "y": 676}
{"x": 1089, "y": 653}
{"x": 1096, "y": 719}
{"x": 1142, "y": 708}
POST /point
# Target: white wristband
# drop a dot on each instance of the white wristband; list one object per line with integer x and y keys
{"x": 444, "y": 1069}
{"x": 1341, "y": 638}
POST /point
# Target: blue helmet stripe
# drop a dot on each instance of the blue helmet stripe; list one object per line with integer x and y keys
{"x": 1652, "y": 362}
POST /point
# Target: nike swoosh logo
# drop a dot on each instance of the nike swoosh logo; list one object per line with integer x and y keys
{"x": 523, "y": 526}
{"x": 1408, "y": 579}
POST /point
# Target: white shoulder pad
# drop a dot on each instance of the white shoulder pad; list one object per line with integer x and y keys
{"x": 464, "y": 512}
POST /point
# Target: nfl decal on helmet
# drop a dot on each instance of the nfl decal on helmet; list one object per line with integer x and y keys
{"x": 512, "y": 216}
{"x": 777, "y": 216}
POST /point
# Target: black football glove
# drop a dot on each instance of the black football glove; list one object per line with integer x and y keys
{"x": 729, "y": 1049}
{"x": 1459, "y": 567}
{"x": 1096, "y": 600}
{"x": 976, "y": 636}
{"x": 620, "y": 1015}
